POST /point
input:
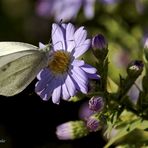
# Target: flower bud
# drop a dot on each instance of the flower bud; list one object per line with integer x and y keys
{"x": 72, "y": 130}
{"x": 84, "y": 111}
{"x": 135, "y": 68}
{"x": 93, "y": 123}
{"x": 100, "y": 46}
{"x": 96, "y": 103}
{"x": 99, "y": 42}
{"x": 146, "y": 43}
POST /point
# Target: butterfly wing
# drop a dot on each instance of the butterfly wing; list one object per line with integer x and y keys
{"x": 12, "y": 47}
{"x": 19, "y": 68}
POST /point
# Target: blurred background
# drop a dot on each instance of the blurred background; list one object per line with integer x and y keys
{"x": 26, "y": 120}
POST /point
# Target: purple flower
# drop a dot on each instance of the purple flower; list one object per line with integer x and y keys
{"x": 140, "y": 6}
{"x": 133, "y": 93}
{"x": 64, "y": 9}
{"x": 146, "y": 42}
{"x": 88, "y": 8}
{"x": 65, "y": 74}
{"x": 109, "y": 1}
{"x": 84, "y": 111}
{"x": 45, "y": 7}
{"x": 99, "y": 42}
{"x": 65, "y": 131}
{"x": 71, "y": 130}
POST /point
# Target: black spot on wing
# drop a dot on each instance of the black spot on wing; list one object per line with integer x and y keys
{"x": 5, "y": 67}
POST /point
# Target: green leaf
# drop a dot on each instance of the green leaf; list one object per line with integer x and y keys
{"x": 130, "y": 126}
{"x": 139, "y": 134}
{"x": 112, "y": 87}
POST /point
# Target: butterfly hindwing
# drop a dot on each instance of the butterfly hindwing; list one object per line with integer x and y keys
{"x": 18, "y": 69}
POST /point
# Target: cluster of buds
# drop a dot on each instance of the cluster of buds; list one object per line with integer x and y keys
{"x": 94, "y": 122}
{"x": 93, "y": 119}
{"x": 80, "y": 128}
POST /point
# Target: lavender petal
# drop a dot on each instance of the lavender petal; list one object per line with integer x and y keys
{"x": 82, "y": 49}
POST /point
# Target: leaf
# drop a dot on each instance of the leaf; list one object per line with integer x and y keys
{"x": 112, "y": 87}
{"x": 138, "y": 123}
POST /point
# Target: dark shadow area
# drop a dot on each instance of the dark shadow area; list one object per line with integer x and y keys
{"x": 27, "y": 121}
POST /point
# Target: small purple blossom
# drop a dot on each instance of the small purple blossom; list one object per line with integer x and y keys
{"x": 45, "y": 8}
{"x": 121, "y": 59}
{"x": 84, "y": 111}
{"x": 96, "y": 104}
{"x": 100, "y": 46}
{"x": 109, "y": 2}
{"x": 64, "y": 9}
{"x": 65, "y": 131}
{"x": 140, "y": 6}
{"x": 134, "y": 92}
{"x": 99, "y": 42}
{"x": 93, "y": 124}
{"x": 65, "y": 74}
{"x": 146, "y": 42}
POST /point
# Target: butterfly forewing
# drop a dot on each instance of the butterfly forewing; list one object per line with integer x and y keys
{"x": 12, "y": 47}
{"x": 13, "y": 56}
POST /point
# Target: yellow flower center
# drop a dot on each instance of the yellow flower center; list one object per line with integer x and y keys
{"x": 59, "y": 62}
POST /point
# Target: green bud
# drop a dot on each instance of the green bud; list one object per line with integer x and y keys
{"x": 135, "y": 68}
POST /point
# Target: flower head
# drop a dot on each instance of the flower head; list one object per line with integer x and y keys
{"x": 109, "y": 1}
{"x": 65, "y": 9}
{"x": 65, "y": 74}
{"x": 71, "y": 130}
{"x": 45, "y": 8}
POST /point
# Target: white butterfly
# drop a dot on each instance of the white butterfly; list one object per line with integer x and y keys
{"x": 19, "y": 65}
